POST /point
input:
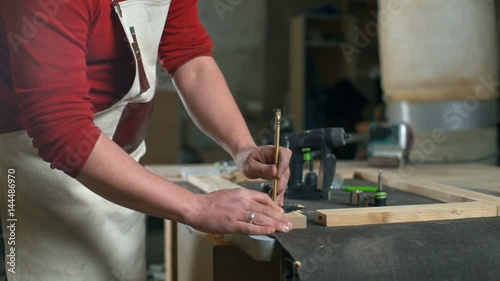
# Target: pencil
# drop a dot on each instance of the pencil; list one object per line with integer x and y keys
{"x": 277, "y": 128}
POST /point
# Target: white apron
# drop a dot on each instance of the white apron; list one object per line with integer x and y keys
{"x": 65, "y": 232}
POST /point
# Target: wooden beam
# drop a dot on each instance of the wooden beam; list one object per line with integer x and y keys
{"x": 346, "y": 173}
{"x": 409, "y": 213}
{"x": 298, "y": 220}
{"x": 427, "y": 188}
{"x": 170, "y": 251}
{"x": 211, "y": 183}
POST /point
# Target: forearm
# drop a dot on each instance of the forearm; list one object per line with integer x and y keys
{"x": 114, "y": 175}
{"x": 209, "y": 102}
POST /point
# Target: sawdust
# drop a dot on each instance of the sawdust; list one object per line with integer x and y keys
{"x": 216, "y": 239}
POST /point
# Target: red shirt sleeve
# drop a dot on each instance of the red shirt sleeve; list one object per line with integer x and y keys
{"x": 48, "y": 60}
{"x": 184, "y": 37}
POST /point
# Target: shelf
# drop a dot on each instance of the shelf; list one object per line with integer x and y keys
{"x": 318, "y": 51}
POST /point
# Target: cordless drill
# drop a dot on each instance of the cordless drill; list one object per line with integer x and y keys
{"x": 303, "y": 145}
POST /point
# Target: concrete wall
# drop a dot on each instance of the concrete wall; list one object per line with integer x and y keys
{"x": 237, "y": 28}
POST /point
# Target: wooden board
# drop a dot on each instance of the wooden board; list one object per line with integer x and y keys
{"x": 477, "y": 177}
{"x": 211, "y": 183}
{"x": 393, "y": 178}
{"x": 170, "y": 249}
{"x": 298, "y": 220}
{"x": 481, "y": 178}
{"x": 400, "y": 214}
{"x": 427, "y": 188}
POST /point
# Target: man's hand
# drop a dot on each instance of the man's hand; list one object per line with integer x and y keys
{"x": 228, "y": 211}
{"x": 258, "y": 162}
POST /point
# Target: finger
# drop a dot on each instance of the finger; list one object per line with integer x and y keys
{"x": 278, "y": 217}
{"x": 267, "y": 153}
{"x": 261, "y": 170}
{"x": 244, "y": 227}
{"x": 263, "y": 154}
{"x": 265, "y": 200}
{"x": 283, "y": 181}
{"x": 280, "y": 198}
{"x": 284, "y": 160}
{"x": 266, "y": 221}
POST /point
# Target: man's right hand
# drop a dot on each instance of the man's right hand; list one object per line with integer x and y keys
{"x": 228, "y": 211}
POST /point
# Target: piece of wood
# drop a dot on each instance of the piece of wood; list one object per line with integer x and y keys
{"x": 176, "y": 173}
{"x": 238, "y": 177}
{"x": 298, "y": 220}
{"x": 211, "y": 183}
{"x": 477, "y": 177}
{"x": 428, "y": 188}
{"x": 400, "y": 214}
{"x": 170, "y": 251}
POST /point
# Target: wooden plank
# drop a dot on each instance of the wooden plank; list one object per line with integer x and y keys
{"x": 346, "y": 173}
{"x": 427, "y": 188}
{"x": 298, "y": 220}
{"x": 400, "y": 214}
{"x": 477, "y": 177}
{"x": 211, "y": 183}
{"x": 170, "y": 253}
{"x": 238, "y": 177}
{"x": 176, "y": 173}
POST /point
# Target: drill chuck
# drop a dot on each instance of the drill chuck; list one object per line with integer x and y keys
{"x": 318, "y": 138}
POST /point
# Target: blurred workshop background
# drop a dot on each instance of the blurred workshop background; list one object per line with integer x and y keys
{"x": 346, "y": 64}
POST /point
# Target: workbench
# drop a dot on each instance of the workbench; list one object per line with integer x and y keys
{"x": 408, "y": 247}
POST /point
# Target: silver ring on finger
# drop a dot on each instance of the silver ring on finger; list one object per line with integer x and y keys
{"x": 251, "y": 217}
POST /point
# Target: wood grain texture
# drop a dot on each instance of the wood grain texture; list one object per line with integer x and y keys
{"x": 401, "y": 214}
{"x": 298, "y": 220}
{"x": 211, "y": 183}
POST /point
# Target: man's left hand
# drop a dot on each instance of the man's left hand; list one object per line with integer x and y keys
{"x": 258, "y": 162}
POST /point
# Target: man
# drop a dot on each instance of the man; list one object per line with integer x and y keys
{"x": 76, "y": 87}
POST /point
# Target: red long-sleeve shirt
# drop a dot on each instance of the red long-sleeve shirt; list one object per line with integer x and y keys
{"x": 55, "y": 76}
